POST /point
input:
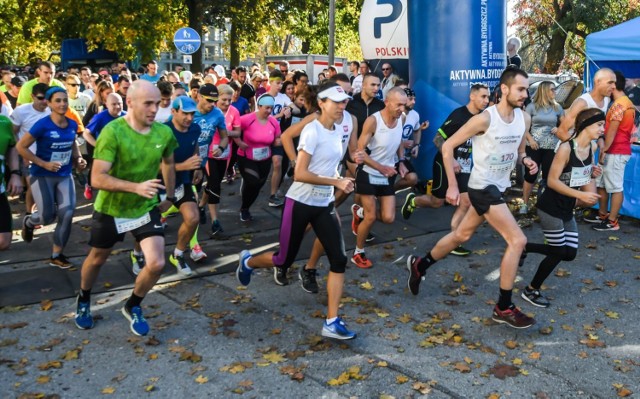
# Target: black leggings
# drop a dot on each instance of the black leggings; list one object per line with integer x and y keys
{"x": 543, "y": 159}
{"x": 254, "y": 175}
{"x": 295, "y": 218}
{"x": 216, "y": 172}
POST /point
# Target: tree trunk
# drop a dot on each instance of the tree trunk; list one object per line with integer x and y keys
{"x": 195, "y": 22}
{"x": 555, "y": 53}
{"x": 233, "y": 45}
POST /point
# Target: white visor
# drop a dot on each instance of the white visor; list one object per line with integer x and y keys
{"x": 335, "y": 93}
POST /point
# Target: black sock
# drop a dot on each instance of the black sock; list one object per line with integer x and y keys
{"x": 504, "y": 302}
{"x": 134, "y": 300}
{"x": 85, "y": 295}
{"x": 425, "y": 263}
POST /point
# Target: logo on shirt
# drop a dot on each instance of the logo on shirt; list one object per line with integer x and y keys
{"x": 54, "y": 135}
{"x": 345, "y": 128}
{"x": 158, "y": 145}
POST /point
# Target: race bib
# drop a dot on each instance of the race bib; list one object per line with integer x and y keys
{"x": 62, "y": 157}
{"x": 378, "y": 180}
{"x": 203, "y": 151}
{"x": 123, "y": 224}
{"x": 295, "y": 119}
{"x": 322, "y": 192}
{"x": 179, "y": 192}
{"x": 501, "y": 162}
{"x": 260, "y": 153}
{"x": 580, "y": 176}
{"x": 465, "y": 165}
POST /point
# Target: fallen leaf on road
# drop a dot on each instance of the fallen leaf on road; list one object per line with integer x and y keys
{"x": 462, "y": 367}
{"x": 201, "y": 379}
{"x": 612, "y": 315}
{"x": 613, "y": 238}
{"x": 274, "y": 357}
{"x": 50, "y": 365}
{"x": 43, "y": 379}
{"x": 108, "y": 390}
{"x": 502, "y": 371}
{"x": 46, "y": 304}
{"x": 401, "y": 379}
{"x": 422, "y": 387}
{"x": 190, "y": 356}
{"x": 511, "y": 344}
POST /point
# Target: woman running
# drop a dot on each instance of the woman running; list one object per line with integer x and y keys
{"x": 51, "y": 180}
{"x": 569, "y": 184}
{"x": 311, "y": 200}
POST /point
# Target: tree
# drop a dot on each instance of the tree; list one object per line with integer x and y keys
{"x": 25, "y": 31}
{"x": 558, "y": 28}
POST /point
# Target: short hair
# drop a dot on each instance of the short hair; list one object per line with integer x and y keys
{"x": 333, "y": 68}
{"x": 177, "y": 86}
{"x": 47, "y": 64}
{"x": 516, "y": 41}
{"x": 400, "y": 82}
{"x": 276, "y": 74}
{"x": 298, "y": 74}
{"x": 72, "y": 75}
{"x": 85, "y": 68}
{"x": 478, "y": 86}
{"x": 370, "y": 75}
{"x": 340, "y": 77}
{"x": 235, "y": 86}
{"x": 509, "y": 75}
{"x": 620, "y": 81}
{"x": 396, "y": 90}
{"x": 356, "y": 63}
{"x": 166, "y": 88}
{"x": 152, "y": 62}
{"x": 40, "y": 88}
{"x": 226, "y": 89}
{"x": 284, "y": 64}
{"x": 124, "y": 78}
{"x": 241, "y": 69}
{"x": 195, "y": 84}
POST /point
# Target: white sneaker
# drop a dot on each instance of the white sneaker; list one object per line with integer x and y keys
{"x": 197, "y": 254}
{"x": 524, "y": 209}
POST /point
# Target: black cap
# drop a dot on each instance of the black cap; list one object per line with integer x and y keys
{"x": 210, "y": 91}
{"x": 18, "y": 81}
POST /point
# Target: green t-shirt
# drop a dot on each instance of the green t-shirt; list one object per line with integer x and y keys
{"x": 24, "y": 96}
{"x": 7, "y": 140}
{"x": 135, "y": 158}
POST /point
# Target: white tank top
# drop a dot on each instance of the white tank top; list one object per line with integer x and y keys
{"x": 384, "y": 144}
{"x": 591, "y": 103}
{"x": 495, "y": 152}
{"x": 345, "y": 127}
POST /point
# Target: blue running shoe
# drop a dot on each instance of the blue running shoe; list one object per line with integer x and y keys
{"x": 243, "y": 273}
{"x": 139, "y": 325}
{"x": 337, "y": 330}
{"x": 84, "y": 320}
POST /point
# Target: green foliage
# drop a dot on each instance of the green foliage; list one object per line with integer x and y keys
{"x": 537, "y": 25}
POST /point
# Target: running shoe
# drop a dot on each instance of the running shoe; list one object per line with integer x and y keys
{"x": 308, "y": 280}
{"x": 61, "y": 262}
{"x": 414, "y": 280}
{"x": 460, "y": 251}
{"x": 607, "y": 225}
{"x": 370, "y": 237}
{"x": 409, "y": 206}
{"x": 84, "y": 320}
{"x": 27, "y": 232}
{"x": 361, "y": 261}
{"x": 197, "y": 254}
{"x": 243, "y": 273}
{"x": 181, "y": 265}
{"x": 524, "y": 209}
{"x": 513, "y": 317}
{"x": 138, "y": 324}
{"x": 203, "y": 215}
{"x": 275, "y": 202}
{"x": 595, "y": 217}
{"x": 280, "y": 275}
{"x": 355, "y": 219}
{"x": 245, "y": 215}
{"x": 88, "y": 192}
{"x": 137, "y": 262}
{"x": 217, "y": 231}
{"x": 535, "y": 298}
{"x": 337, "y": 330}
{"x": 163, "y": 222}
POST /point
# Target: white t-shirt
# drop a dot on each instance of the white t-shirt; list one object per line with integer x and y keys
{"x": 357, "y": 85}
{"x": 80, "y": 104}
{"x": 26, "y": 116}
{"x": 325, "y": 148}
{"x": 90, "y": 93}
{"x": 282, "y": 100}
{"x": 163, "y": 114}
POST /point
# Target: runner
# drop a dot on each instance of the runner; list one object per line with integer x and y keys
{"x": 51, "y": 181}
{"x": 260, "y": 131}
{"x": 411, "y": 138}
{"x": 310, "y": 200}
{"x": 8, "y": 158}
{"x": 498, "y": 142}
{"x": 569, "y": 184}
{"x": 478, "y": 100}
{"x": 126, "y": 160}
{"x": 281, "y": 110}
{"x": 382, "y": 136}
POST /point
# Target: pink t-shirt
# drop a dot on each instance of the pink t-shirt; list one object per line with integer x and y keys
{"x": 232, "y": 119}
{"x": 258, "y": 137}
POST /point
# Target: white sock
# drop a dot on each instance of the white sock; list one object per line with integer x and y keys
{"x": 177, "y": 252}
{"x": 360, "y": 212}
{"x": 137, "y": 253}
{"x": 246, "y": 263}
{"x": 358, "y": 251}
{"x": 331, "y": 320}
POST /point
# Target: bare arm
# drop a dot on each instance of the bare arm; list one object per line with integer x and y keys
{"x": 570, "y": 119}
{"x": 102, "y": 180}
{"x": 88, "y": 137}
{"x": 292, "y": 132}
{"x": 14, "y": 187}
{"x": 560, "y": 160}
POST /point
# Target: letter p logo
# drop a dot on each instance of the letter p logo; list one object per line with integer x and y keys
{"x": 395, "y": 13}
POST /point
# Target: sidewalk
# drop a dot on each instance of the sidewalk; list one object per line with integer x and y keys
{"x": 212, "y": 338}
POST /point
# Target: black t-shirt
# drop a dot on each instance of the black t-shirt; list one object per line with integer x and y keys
{"x": 515, "y": 60}
{"x": 247, "y": 91}
{"x": 633, "y": 94}
{"x": 452, "y": 124}
{"x": 559, "y": 205}
{"x": 358, "y": 108}
{"x": 13, "y": 100}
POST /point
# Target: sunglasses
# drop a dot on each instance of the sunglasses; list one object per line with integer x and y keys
{"x": 386, "y": 69}
{"x": 73, "y": 84}
{"x": 61, "y": 100}
{"x": 41, "y": 98}
{"x": 209, "y": 100}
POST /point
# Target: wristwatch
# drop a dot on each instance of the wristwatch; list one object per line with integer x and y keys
{"x": 171, "y": 199}
{"x": 16, "y": 172}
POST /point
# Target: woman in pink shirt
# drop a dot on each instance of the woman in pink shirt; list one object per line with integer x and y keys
{"x": 260, "y": 131}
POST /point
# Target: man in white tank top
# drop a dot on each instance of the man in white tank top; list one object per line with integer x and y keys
{"x": 498, "y": 142}
{"x": 604, "y": 81}
{"x": 382, "y": 136}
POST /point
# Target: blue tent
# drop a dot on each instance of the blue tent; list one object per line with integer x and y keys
{"x": 617, "y": 48}
{"x": 74, "y": 51}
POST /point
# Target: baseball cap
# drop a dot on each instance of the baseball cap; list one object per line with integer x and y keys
{"x": 219, "y": 70}
{"x": 184, "y": 104}
{"x": 334, "y": 93}
{"x": 209, "y": 91}
{"x": 18, "y": 81}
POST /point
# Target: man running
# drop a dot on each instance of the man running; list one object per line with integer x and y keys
{"x": 498, "y": 142}
{"x": 128, "y": 154}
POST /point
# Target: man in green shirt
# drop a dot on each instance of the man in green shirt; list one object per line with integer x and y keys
{"x": 8, "y": 160}
{"x": 128, "y": 154}
{"x": 45, "y": 73}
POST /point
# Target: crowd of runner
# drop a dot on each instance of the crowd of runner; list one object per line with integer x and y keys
{"x": 149, "y": 146}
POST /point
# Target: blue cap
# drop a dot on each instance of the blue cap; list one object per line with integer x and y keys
{"x": 184, "y": 103}
{"x": 53, "y": 90}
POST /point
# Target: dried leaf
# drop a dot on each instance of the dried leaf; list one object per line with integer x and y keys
{"x": 108, "y": 390}
{"x": 511, "y": 344}
{"x": 405, "y": 318}
{"x": 613, "y": 238}
{"x": 612, "y": 315}
{"x": 366, "y": 286}
{"x": 421, "y": 387}
{"x": 382, "y": 363}
{"x": 50, "y": 365}
{"x": 611, "y": 283}
{"x": 274, "y": 357}
{"x": 149, "y": 388}
{"x": 46, "y": 305}
{"x": 71, "y": 355}
{"x": 502, "y": 371}
{"x": 534, "y": 355}
{"x": 481, "y": 251}
{"x": 201, "y": 379}
{"x": 190, "y": 356}
{"x": 624, "y": 392}
{"x": 43, "y": 379}
{"x": 457, "y": 277}
{"x": 401, "y": 379}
